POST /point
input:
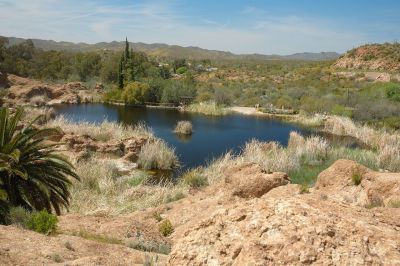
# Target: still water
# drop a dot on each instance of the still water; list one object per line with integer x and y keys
{"x": 212, "y": 136}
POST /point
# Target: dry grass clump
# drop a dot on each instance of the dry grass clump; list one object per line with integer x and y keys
{"x": 387, "y": 145}
{"x": 207, "y": 108}
{"x": 46, "y": 114}
{"x": 271, "y": 156}
{"x": 312, "y": 150}
{"x": 104, "y": 131}
{"x": 103, "y": 191}
{"x": 38, "y": 100}
{"x": 184, "y": 127}
{"x": 157, "y": 155}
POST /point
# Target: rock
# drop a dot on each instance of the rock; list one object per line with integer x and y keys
{"x": 249, "y": 180}
{"x": 375, "y": 188}
{"x": 24, "y": 247}
{"x": 284, "y": 227}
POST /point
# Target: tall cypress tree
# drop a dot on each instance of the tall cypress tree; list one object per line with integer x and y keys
{"x": 121, "y": 73}
{"x": 127, "y": 56}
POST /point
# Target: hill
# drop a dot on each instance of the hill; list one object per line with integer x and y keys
{"x": 170, "y": 51}
{"x": 377, "y": 57}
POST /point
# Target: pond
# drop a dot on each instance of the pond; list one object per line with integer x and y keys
{"x": 212, "y": 136}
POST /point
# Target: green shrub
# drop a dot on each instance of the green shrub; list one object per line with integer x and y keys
{"x": 113, "y": 95}
{"x": 166, "y": 228}
{"x": 195, "y": 179}
{"x": 393, "y": 91}
{"x": 341, "y": 111}
{"x": 136, "y": 93}
{"x": 42, "y": 222}
{"x": 181, "y": 70}
{"x": 356, "y": 178}
{"x": 304, "y": 188}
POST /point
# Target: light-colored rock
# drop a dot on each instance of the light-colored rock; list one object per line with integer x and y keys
{"x": 249, "y": 180}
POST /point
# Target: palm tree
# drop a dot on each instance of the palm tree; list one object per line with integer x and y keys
{"x": 32, "y": 175}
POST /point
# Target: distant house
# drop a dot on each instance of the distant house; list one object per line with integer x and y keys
{"x": 211, "y": 69}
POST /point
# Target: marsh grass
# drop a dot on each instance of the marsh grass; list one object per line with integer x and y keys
{"x": 184, "y": 127}
{"x": 207, "y": 108}
{"x": 195, "y": 178}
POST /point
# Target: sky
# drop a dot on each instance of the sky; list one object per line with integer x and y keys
{"x": 253, "y": 26}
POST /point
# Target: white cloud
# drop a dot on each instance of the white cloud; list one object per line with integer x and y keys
{"x": 90, "y": 22}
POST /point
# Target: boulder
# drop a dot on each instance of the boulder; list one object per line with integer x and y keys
{"x": 249, "y": 180}
{"x": 374, "y": 189}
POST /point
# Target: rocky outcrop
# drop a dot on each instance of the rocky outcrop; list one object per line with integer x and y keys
{"x": 227, "y": 224}
{"x": 22, "y": 247}
{"x": 250, "y": 181}
{"x": 382, "y": 57}
{"x": 84, "y": 144}
{"x": 284, "y": 227}
{"x": 339, "y": 183}
{"x": 24, "y": 90}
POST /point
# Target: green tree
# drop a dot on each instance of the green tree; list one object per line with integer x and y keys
{"x": 136, "y": 93}
{"x": 32, "y": 175}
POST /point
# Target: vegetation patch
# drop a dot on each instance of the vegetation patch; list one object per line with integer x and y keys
{"x": 195, "y": 179}
{"x": 42, "y": 222}
{"x": 166, "y": 228}
{"x": 356, "y": 177}
{"x": 157, "y": 155}
{"x": 184, "y": 127}
{"x": 150, "y": 246}
{"x": 207, "y": 108}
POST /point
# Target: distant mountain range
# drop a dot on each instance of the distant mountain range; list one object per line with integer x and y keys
{"x": 170, "y": 51}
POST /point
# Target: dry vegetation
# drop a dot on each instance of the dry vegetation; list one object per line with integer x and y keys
{"x": 184, "y": 127}
{"x": 207, "y": 108}
{"x": 103, "y": 190}
{"x": 103, "y": 131}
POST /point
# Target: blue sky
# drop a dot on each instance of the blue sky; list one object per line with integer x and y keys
{"x": 269, "y": 27}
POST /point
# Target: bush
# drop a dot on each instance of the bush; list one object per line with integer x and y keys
{"x": 136, "y": 93}
{"x": 42, "y": 222}
{"x": 181, "y": 70}
{"x": 341, "y": 111}
{"x": 393, "y": 92}
{"x": 19, "y": 216}
{"x": 195, "y": 179}
{"x": 166, "y": 228}
{"x": 184, "y": 127}
{"x": 356, "y": 178}
{"x": 114, "y": 95}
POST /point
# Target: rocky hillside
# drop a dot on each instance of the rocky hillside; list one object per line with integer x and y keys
{"x": 170, "y": 51}
{"x": 250, "y": 218}
{"x": 374, "y": 57}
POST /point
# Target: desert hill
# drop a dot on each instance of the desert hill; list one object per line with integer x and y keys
{"x": 373, "y": 57}
{"x": 170, "y": 51}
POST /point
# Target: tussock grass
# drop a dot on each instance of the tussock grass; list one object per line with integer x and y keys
{"x": 104, "y": 131}
{"x": 157, "y": 155}
{"x": 184, "y": 127}
{"x": 386, "y": 145}
{"x": 207, "y": 108}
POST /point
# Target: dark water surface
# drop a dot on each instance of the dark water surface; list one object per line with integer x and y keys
{"x": 212, "y": 137}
